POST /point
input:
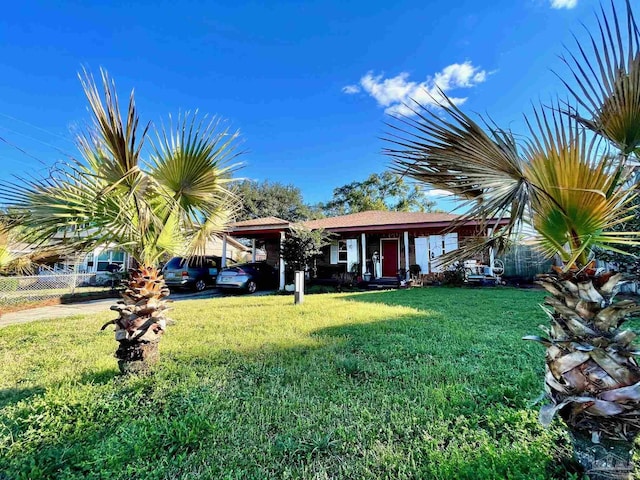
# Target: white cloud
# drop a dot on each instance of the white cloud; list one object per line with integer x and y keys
{"x": 568, "y": 4}
{"x": 436, "y": 192}
{"x": 351, "y": 89}
{"x": 397, "y": 92}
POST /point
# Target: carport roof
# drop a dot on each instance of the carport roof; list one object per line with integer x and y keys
{"x": 257, "y": 226}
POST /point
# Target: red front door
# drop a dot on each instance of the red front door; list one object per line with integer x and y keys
{"x": 389, "y": 258}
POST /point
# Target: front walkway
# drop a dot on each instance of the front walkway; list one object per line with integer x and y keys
{"x": 84, "y": 308}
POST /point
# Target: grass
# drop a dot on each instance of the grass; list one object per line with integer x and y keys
{"x": 419, "y": 384}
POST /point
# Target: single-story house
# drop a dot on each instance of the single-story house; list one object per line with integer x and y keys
{"x": 376, "y": 244}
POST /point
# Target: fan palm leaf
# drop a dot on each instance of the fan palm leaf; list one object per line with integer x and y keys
{"x": 578, "y": 190}
{"x": 607, "y": 81}
{"x": 454, "y": 153}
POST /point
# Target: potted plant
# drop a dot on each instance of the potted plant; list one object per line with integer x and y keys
{"x": 569, "y": 184}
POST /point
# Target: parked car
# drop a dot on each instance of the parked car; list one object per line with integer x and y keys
{"x": 248, "y": 276}
{"x": 195, "y": 274}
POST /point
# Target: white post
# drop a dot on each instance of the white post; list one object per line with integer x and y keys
{"x": 281, "y": 262}
{"x": 364, "y": 254}
{"x": 407, "y": 273}
{"x": 224, "y": 252}
{"x": 299, "y": 287}
{"x": 253, "y": 250}
{"x": 491, "y": 253}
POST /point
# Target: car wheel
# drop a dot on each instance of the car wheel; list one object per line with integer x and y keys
{"x": 251, "y": 286}
{"x": 200, "y": 285}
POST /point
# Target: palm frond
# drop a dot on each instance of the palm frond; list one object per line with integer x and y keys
{"x": 192, "y": 165}
{"x": 113, "y": 148}
{"x": 578, "y": 190}
{"x": 454, "y": 153}
{"x": 607, "y": 78}
{"x": 192, "y": 162}
{"x": 212, "y": 227}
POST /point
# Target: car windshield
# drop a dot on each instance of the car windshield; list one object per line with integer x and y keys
{"x": 177, "y": 263}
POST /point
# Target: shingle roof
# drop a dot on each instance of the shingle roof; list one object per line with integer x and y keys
{"x": 380, "y": 218}
{"x": 261, "y": 222}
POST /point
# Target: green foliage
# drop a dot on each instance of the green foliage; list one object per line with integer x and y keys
{"x": 380, "y": 191}
{"x": 628, "y": 259}
{"x": 455, "y": 275}
{"x": 272, "y": 199}
{"x": 302, "y": 245}
{"x": 354, "y": 386}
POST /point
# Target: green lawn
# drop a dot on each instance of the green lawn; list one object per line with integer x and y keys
{"x": 425, "y": 383}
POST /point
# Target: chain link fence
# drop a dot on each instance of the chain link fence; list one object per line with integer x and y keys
{"x": 524, "y": 262}
{"x": 33, "y": 288}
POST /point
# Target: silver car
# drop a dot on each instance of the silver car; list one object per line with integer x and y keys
{"x": 248, "y": 277}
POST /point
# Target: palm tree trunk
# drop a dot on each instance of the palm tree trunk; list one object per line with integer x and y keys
{"x": 141, "y": 320}
{"x": 607, "y": 460}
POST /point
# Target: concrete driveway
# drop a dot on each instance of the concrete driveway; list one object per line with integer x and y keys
{"x": 84, "y": 308}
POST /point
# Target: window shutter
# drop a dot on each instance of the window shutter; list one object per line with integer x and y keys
{"x": 352, "y": 253}
{"x": 422, "y": 254}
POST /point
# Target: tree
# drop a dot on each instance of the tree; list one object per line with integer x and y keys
{"x": 380, "y": 191}
{"x": 570, "y": 179}
{"x": 271, "y": 199}
{"x": 170, "y": 203}
{"x": 302, "y": 246}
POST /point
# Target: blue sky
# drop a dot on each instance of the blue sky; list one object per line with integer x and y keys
{"x": 306, "y": 83}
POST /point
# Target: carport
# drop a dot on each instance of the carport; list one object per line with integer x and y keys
{"x": 270, "y": 231}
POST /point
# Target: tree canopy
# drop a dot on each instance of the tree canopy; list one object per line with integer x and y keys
{"x": 380, "y": 191}
{"x": 271, "y": 199}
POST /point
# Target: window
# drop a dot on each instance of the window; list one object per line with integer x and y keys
{"x": 107, "y": 257}
{"x": 342, "y": 251}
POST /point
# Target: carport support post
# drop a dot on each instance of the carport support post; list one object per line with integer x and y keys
{"x": 281, "y": 262}
{"x": 407, "y": 273}
{"x": 299, "y": 287}
{"x": 491, "y": 252}
{"x": 223, "y": 260}
{"x": 364, "y": 254}
{"x": 253, "y": 250}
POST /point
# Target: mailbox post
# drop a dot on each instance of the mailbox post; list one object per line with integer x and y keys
{"x": 299, "y": 287}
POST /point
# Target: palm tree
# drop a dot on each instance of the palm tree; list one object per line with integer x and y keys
{"x": 169, "y": 204}
{"x": 568, "y": 181}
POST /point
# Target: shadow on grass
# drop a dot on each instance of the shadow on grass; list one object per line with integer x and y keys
{"x": 10, "y": 396}
{"x": 100, "y": 377}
